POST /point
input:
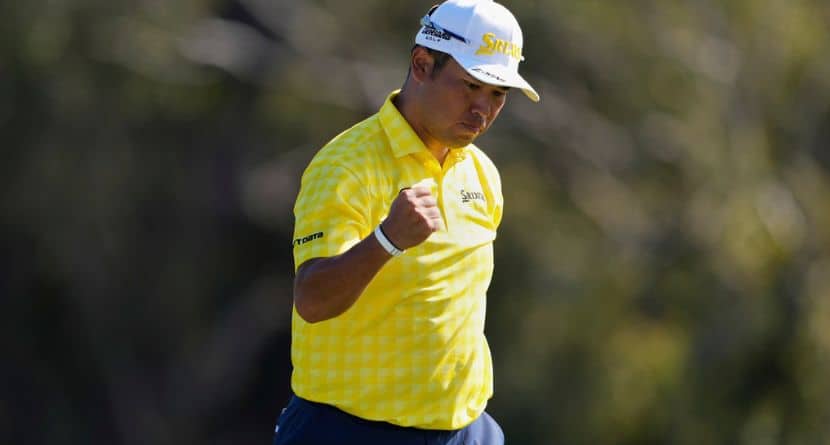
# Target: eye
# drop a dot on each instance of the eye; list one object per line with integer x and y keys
{"x": 499, "y": 93}
{"x": 472, "y": 86}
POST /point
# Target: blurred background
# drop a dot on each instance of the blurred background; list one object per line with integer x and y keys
{"x": 662, "y": 270}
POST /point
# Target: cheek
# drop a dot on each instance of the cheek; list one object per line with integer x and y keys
{"x": 442, "y": 112}
{"x": 496, "y": 109}
{"x": 451, "y": 105}
{"x": 498, "y": 103}
{"x": 454, "y": 99}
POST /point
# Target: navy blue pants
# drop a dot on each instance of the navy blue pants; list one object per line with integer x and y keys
{"x": 308, "y": 423}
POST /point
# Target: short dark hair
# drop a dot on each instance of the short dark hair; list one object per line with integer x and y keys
{"x": 441, "y": 58}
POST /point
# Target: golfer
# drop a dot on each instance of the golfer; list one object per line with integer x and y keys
{"x": 394, "y": 226}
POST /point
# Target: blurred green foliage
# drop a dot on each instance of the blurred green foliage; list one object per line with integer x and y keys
{"x": 662, "y": 271}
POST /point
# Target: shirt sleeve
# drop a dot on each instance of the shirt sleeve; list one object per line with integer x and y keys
{"x": 498, "y": 209}
{"x": 331, "y": 213}
{"x": 491, "y": 180}
{"x": 498, "y": 198}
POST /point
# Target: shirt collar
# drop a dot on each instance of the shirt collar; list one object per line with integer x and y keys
{"x": 402, "y": 138}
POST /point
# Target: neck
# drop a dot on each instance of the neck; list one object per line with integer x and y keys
{"x": 410, "y": 111}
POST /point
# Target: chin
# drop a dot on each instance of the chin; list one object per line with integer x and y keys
{"x": 459, "y": 143}
{"x": 462, "y": 140}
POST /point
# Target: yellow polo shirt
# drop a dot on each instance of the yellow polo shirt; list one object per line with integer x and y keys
{"x": 411, "y": 351}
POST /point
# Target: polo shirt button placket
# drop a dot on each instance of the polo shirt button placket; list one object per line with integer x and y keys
{"x": 442, "y": 205}
{"x": 436, "y": 172}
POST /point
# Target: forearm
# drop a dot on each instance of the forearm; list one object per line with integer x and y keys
{"x": 326, "y": 287}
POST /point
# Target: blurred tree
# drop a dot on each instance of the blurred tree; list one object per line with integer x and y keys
{"x": 662, "y": 277}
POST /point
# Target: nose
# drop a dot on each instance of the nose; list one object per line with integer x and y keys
{"x": 481, "y": 106}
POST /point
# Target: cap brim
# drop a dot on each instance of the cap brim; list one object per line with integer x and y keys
{"x": 498, "y": 75}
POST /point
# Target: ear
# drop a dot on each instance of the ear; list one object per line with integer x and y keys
{"x": 421, "y": 64}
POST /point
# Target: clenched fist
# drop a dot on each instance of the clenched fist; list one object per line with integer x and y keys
{"x": 413, "y": 217}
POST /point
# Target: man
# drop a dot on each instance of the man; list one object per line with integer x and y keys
{"x": 395, "y": 222}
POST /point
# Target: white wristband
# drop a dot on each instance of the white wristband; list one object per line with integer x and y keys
{"x": 385, "y": 243}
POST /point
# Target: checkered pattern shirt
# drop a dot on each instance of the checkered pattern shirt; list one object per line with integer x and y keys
{"x": 411, "y": 350}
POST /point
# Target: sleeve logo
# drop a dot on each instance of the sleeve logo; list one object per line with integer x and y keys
{"x": 305, "y": 239}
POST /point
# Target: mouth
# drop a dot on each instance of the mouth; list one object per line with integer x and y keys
{"x": 472, "y": 127}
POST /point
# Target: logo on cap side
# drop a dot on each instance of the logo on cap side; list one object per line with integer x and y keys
{"x": 493, "y": 45}
{"x": 434, "y": 35}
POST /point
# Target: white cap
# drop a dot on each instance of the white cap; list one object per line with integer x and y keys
{"x": 482, "y": 36}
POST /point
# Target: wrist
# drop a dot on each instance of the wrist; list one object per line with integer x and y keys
{"x": 386, "y": 243}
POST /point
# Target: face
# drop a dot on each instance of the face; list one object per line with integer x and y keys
{"x": 455, "y": 107}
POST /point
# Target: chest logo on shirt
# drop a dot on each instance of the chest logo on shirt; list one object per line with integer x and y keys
{"x": 472, "y": 196}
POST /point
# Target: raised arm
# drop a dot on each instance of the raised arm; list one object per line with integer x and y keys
{"x": 326, "y": 287}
